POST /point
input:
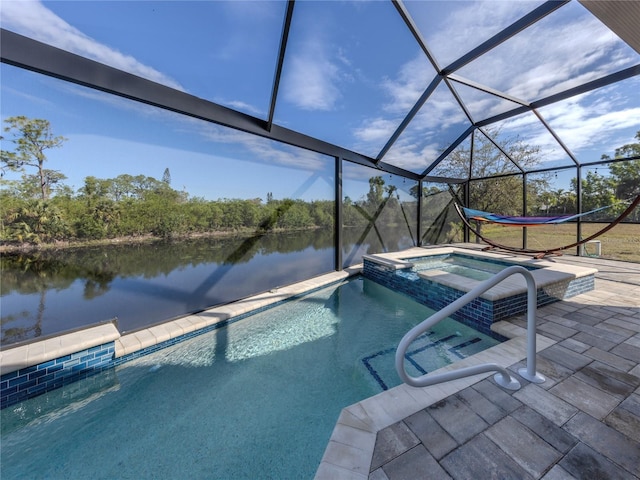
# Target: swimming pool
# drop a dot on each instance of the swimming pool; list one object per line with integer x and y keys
{"x": 256, "y": 399}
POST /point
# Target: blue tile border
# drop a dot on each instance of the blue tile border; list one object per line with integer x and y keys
{"x": 480, "y": 313}
{"x": 32, "y": 381}
{"x": 29, "y": 382}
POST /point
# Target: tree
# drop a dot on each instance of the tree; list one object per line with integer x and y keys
{"x": 166, "y": 176}
{"x": 376, "y": 190}
{"x": 37, "y": 221}
{"x": 122, "y": 187}
{"x": 415, "y": 193}
{"x": 626, "y": 175}
{"x": 30, "y": 187}
{"x": 493, "y": 187}
{"x": 597, "y": 191}
{"x": 31, "y": 137}
{"x": 504, "y": 194}
{"x": 94, "y": 189}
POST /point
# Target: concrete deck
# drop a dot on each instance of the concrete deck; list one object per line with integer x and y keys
{"x": 583, "y": 422}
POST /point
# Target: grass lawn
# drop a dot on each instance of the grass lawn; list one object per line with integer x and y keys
{"x": 620, "y": 243}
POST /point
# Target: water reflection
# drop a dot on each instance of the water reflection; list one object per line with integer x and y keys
{"x": 141, "y": 284}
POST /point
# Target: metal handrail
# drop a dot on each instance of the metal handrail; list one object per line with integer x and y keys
{"x": 502, "y": 378}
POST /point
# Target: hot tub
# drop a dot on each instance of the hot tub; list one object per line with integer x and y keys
{"x": 438, "y": 276}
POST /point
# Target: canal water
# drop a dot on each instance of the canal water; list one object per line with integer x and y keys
{"x": 50, "y": 292}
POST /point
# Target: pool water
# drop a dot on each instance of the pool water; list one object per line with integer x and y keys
{"x": 465, "y": 266}
{"x": 256, "y": 399}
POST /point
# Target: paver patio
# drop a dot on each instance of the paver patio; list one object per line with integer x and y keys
{"x": 583, "y": 422}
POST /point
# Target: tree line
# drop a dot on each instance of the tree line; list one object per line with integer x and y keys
{"x": 40, "y": 207}
{"x": 141, "y": 205}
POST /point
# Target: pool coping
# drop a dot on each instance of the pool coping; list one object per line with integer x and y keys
{"x": 25, "y": 355}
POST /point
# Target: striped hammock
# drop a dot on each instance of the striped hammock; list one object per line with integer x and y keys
{"x": 481, "y": 216}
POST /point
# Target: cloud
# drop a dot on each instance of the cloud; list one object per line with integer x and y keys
{"x": 35, "y": 99}
{"x": 402, "y": 92}
{"x": 400, "y": 95}
{"x": 586, "y": 123}
{"x": 440, "y": 119}
{"x": 313, "y": 71}
{"x": 410, "y": 82}
{"x": 439, "y": 122}
{"x": 376, "y": 130}
{"x": 440, "y": 112}
{"x": 116, "y": 102}
{"x": 311, "y": 80}
{"x": 482, "y": 105}
{"x": 262, "y": 149}
{"x": 568, "y": 48}
{"x": 241, "y": 106}
{"x": 592, "y": 120}
{"x": 274, "y": 153}
{"x": 451, "y": 29}
{"x": 412, "y": 156}
{"x": 34, "y": 20}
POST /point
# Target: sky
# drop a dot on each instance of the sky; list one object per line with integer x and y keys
{"x": 352, "y": 71}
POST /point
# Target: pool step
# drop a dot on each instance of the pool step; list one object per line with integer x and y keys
{"x": 429, "y": 353}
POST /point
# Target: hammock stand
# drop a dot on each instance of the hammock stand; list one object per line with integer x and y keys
{"x": 551, "y": 251}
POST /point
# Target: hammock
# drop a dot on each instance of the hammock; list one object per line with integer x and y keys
{"x": 481, "y": 216}
{"x": 542, "y": 253}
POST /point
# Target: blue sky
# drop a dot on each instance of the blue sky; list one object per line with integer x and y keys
{"x": 352, "y": 72}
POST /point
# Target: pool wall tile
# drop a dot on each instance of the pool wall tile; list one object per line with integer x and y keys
{"x": 29, "y": 382}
